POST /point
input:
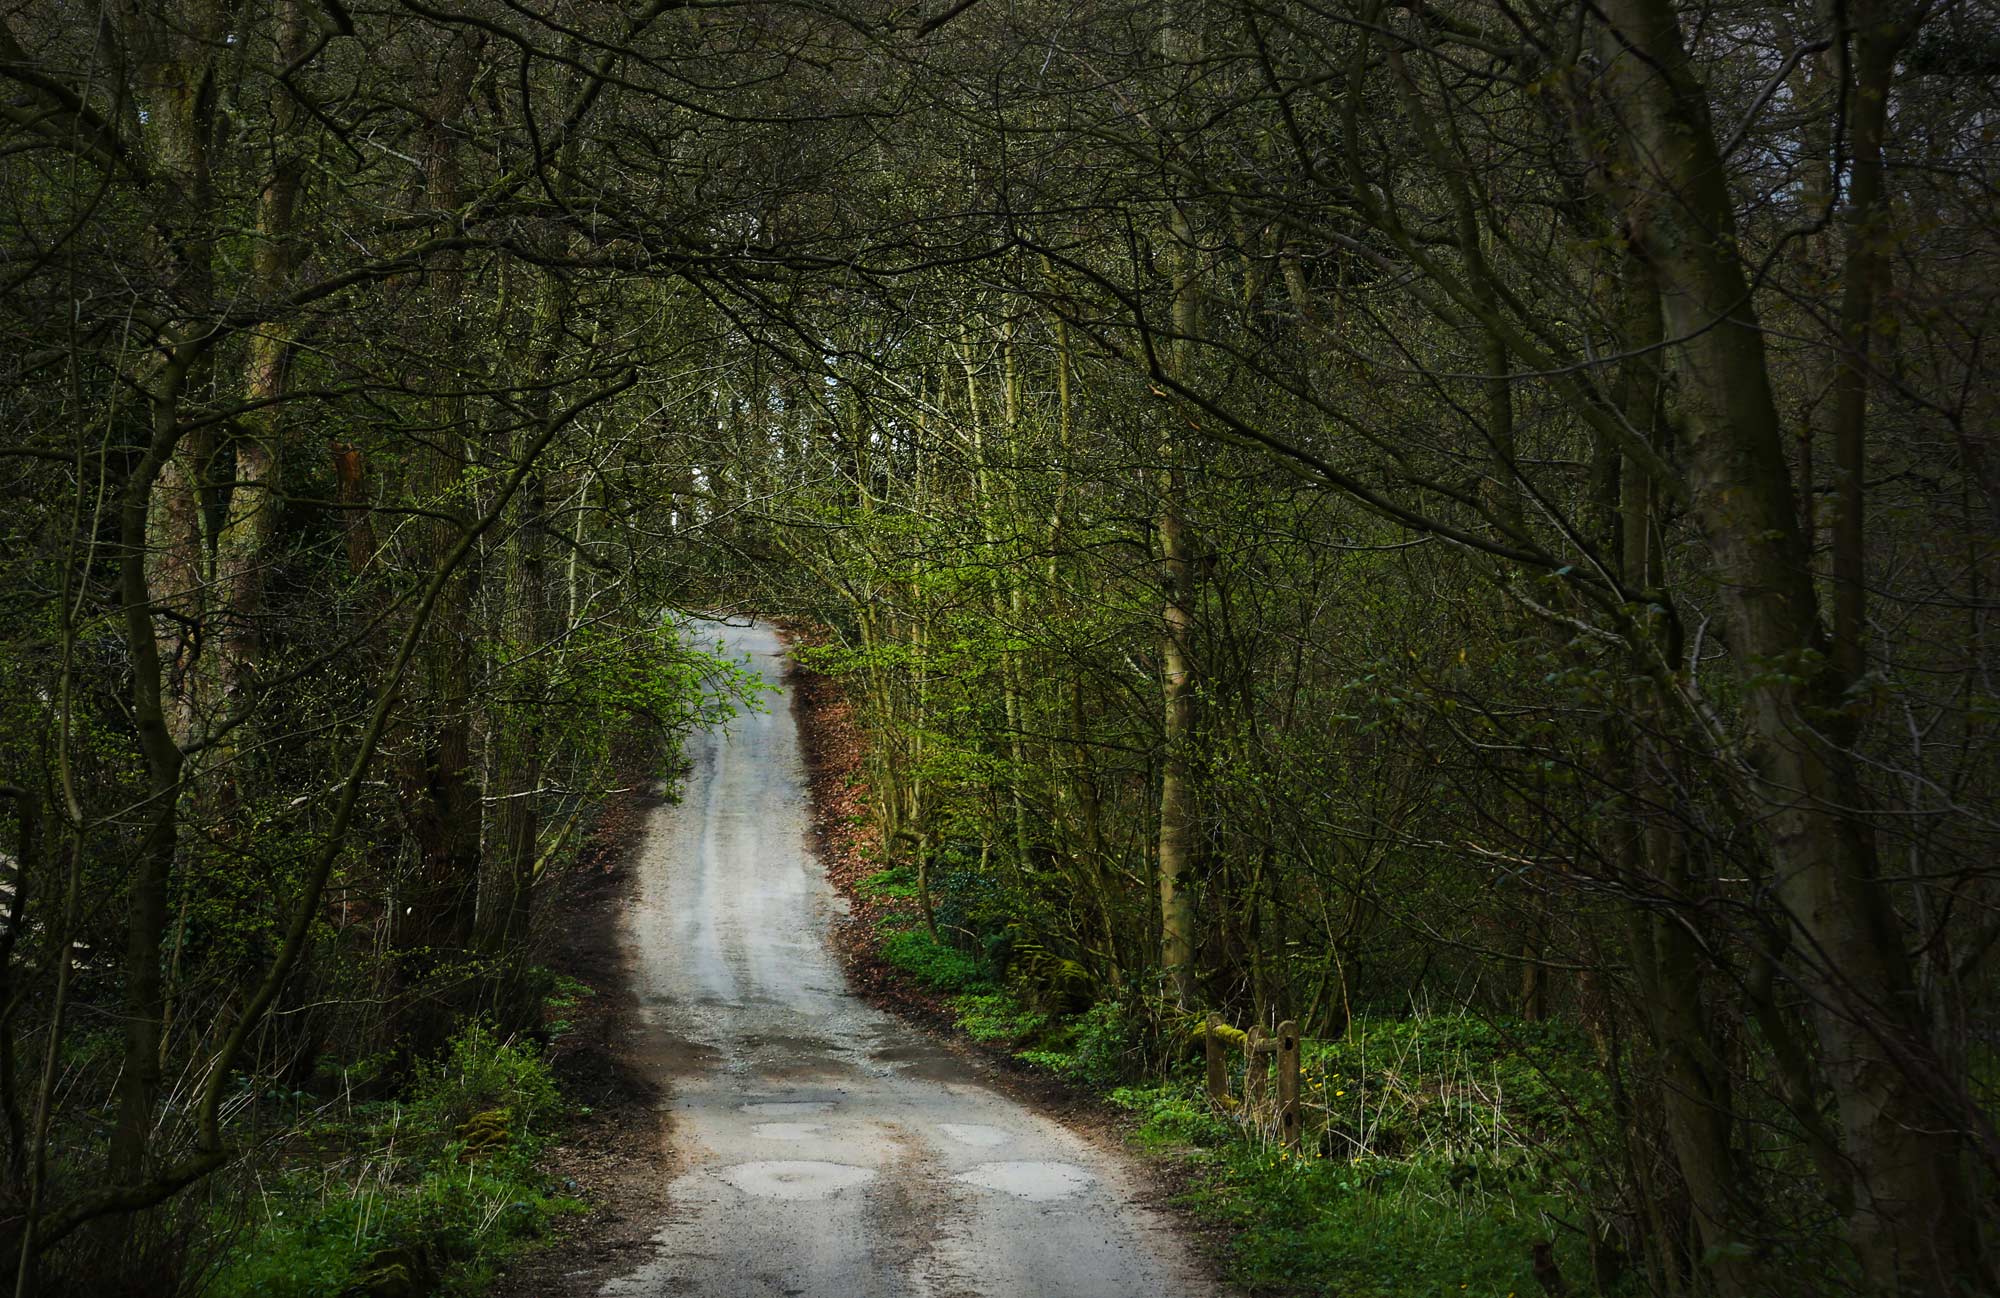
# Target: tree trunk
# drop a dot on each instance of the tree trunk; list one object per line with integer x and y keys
{"x": 146, "y": 920}
{"x": 1871, "y": 67}
{"x": 243, "y": 545}
{"x": 1913, "y": 1222}
{"x": 433, "y": 915}
{"x": 1177, "y": 810}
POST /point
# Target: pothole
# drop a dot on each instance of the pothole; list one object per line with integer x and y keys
{"x": 788, "y": 1130}
{"x": 970, "y": 1133}
{"x": 786, "y": 1179}
{"x": 1034, "y": 1181}
{"x": 786, "y": 1108}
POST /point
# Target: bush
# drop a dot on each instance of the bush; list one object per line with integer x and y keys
{"x": 1108, "y": 1045}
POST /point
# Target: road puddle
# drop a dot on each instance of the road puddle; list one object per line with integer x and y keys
{"x": 788, "y": 1130}
{"x": 971, "y": 1133}
{"x": 783, "y": 1179}
{"x": 1037, "y": 1182}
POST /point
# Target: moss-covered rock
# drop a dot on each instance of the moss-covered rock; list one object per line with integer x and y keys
{"x": 487, "y": 1132}
{"x": 401, "y": 1271}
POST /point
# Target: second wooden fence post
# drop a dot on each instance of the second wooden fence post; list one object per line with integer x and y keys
{"x": 1288, "y": 1084}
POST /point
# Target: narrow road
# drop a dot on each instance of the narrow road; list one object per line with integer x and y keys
{"x": 823, "y": 1148}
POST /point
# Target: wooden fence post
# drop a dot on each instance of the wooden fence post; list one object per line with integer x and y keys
{"x": 1218, "y": 1068}
{"x": 1288, "y": 1084}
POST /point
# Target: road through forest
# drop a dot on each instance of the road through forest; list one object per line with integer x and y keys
{"x": 821, "y": 1147}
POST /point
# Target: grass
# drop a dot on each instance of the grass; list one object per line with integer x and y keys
{"x": 427, "y": 1196}
{"x": 1387, "y": 1227}
{"x": 1092, "y": 1047}
{"x": 932, "y": 963}
{"x": 997, "y": 1017}
{"x": 1440, "y": 1155}
{"x": 898, "y": 882}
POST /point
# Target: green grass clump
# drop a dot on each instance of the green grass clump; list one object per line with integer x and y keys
{"x": 479, "y": 1074}
{"x": 997, "y": 1017}
{"x": 1378, "y": 1228}
{"x": 1098, "y": 1048}
{"x": 934, "y": 964}
{"x": 1095, "y": 1048}
{"x": 898, "y": 882}
{"x": 1175, "y": 1115}
{"x": 1452, "y": 1084}
{"x": 431, "y": 1197}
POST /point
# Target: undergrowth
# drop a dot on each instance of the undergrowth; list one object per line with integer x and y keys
{"x": 932, "y": 963}
{"x": 1443, "y": 1154}
{"x": 1437, "y": 1160}
{"x": 426, "y": 1195}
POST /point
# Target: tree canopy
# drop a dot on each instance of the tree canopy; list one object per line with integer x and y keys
{"x": 1321, "y": 508}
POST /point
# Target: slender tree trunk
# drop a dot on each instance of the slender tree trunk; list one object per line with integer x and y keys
{"x": 1177, "y": 810}
{"x": 1695, "y": 1090}
{"x": 1871, "y": 55}
{"x": 243, "y": 545}
{"x": 163, "y": 525}
{"x": 1016, "y": 623}
{"x": 528, "y": 628}
{"x": 434, "y": 914}
{"x": 520, "y": 758}
{"x": 146, "y": 920}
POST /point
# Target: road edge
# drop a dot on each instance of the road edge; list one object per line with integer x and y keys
{"x": 613, "y": 1149}
{"x": 832, "y": 744}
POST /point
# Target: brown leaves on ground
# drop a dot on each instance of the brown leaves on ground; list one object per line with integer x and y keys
{"x": 845, "y": 836}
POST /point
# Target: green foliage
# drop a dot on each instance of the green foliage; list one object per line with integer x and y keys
{"x": 1451, "y": 1082}
{"x": 1379, "y": 1226}
{"x": 431, "y": 1196}
{"x": 997, "y": 1016}
{"x": 480, "y": 1074}
{"x": 1174, "y": 1115}
{"x": 446, "y": 1232}
{"x": 932, "y": 963}
{"x": 1097, "y": 1048}
{"x": 1437, "y": 1157}
{"x": 565, "y": 994}
{"x": 898, "y": 881}
{"x": 607, "y": 679}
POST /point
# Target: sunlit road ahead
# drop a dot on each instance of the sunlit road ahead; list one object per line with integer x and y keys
{"x": 821, "y": 1147}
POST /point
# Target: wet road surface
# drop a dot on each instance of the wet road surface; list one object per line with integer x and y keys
{"x": 821, "y": 1147}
